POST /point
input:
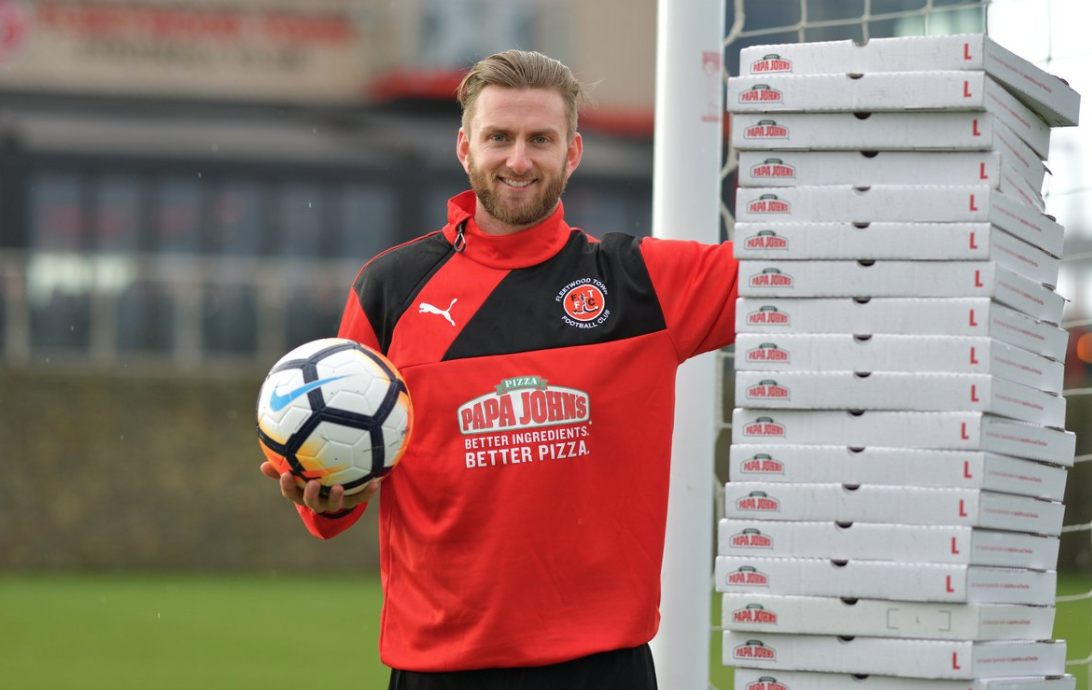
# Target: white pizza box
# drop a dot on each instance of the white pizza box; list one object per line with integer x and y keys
{"x": 962, "y": 659}
{"x": 900, "y": 203}
{"x": 924, "y": 279}
{"x": 764, "y": 679}
{"x": 863, "y": 168}
{"x": 900, "y": 279}
{"x": 894, "y": 241}
{"x": 1049, "y": 96}
{"x": 774, "y": 352}
{"x": 924, "y": 430}
{"x": 887, "y": 92}
{"x": 770, "y": 613}
{"x": 948, "y": 131}
{"x": 971, "y": 316}
{"x": 885, "y": 542}
{"x": 908, "y": 505}
{"x": 898, "y": 390}
{"x": 964, "y": 469}
{"x": 891, "y": 580}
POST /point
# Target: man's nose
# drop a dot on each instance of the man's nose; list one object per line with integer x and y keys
{"x": 519, "y": 161}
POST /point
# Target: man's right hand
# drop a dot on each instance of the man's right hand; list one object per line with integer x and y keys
{"x": 311, "y": 495}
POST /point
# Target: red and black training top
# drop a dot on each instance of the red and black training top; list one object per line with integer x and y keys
{"x": 525, "y": 523}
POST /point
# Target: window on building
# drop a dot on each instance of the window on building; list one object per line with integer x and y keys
{"x": 235, "y": 220}
{"x": 366, "y": 223}
{"x": 176, "y": 215}
{"x": 59, "y": 300}
{"x": 57, "y": 212}
{"x": 229, "y": 323}
{"x": 603, "y": 209}
{"x": 5, "y": 295}
{"x": 313, "y": 310}
{"x": 301, "y": 214}
{"x": 59, "y": 282}
{"x": 434, "y": 202}
{"x": 146, "y": 310}
{"x": 116, "y": 214}
{"x": 145, "y": 317}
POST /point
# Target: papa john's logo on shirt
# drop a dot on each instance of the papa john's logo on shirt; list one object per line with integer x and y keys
{"x": 584, "y": 303}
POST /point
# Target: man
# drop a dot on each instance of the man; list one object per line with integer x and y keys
{"x": 522, "y": 534}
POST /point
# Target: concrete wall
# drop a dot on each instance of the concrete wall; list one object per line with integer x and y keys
{"x": 127, "y": 472}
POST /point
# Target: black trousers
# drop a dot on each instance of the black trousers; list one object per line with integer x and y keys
{"x": 622, "y": 669}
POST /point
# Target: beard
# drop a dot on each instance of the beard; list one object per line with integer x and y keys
{"x": 519, "y": 214}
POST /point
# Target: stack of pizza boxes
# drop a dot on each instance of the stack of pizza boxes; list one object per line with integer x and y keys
{"x": 899, "y": 454}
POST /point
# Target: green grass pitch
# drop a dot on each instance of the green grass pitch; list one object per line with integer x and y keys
{"x": 266, "y": 632}
{"x": 167, "y": 632}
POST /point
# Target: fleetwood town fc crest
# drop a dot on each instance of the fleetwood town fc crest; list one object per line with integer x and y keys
{"x": 584, "y": 303}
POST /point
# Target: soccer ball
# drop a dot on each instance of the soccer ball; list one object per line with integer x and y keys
{"x": 336, "y": 411}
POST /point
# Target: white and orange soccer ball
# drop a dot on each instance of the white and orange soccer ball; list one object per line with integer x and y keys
{"x": 336, "y": 411}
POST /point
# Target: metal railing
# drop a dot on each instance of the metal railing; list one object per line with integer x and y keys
{"x": 175, "y": 313}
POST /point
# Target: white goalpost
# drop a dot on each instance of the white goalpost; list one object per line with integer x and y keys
{"x": 685, "y": 205}
{"x": 690, "y": 170}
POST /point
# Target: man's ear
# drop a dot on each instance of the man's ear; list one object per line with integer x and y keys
{"x": 462, "y": 148}
{"x": 574, "y": 153}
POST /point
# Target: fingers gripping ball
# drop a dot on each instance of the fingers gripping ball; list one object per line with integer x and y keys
{"x": 336, "y": 411}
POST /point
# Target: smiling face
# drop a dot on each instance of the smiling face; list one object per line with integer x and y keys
{"x": 517, "y": 151}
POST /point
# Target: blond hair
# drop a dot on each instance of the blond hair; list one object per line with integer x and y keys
{"x": 519, "y": 69}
